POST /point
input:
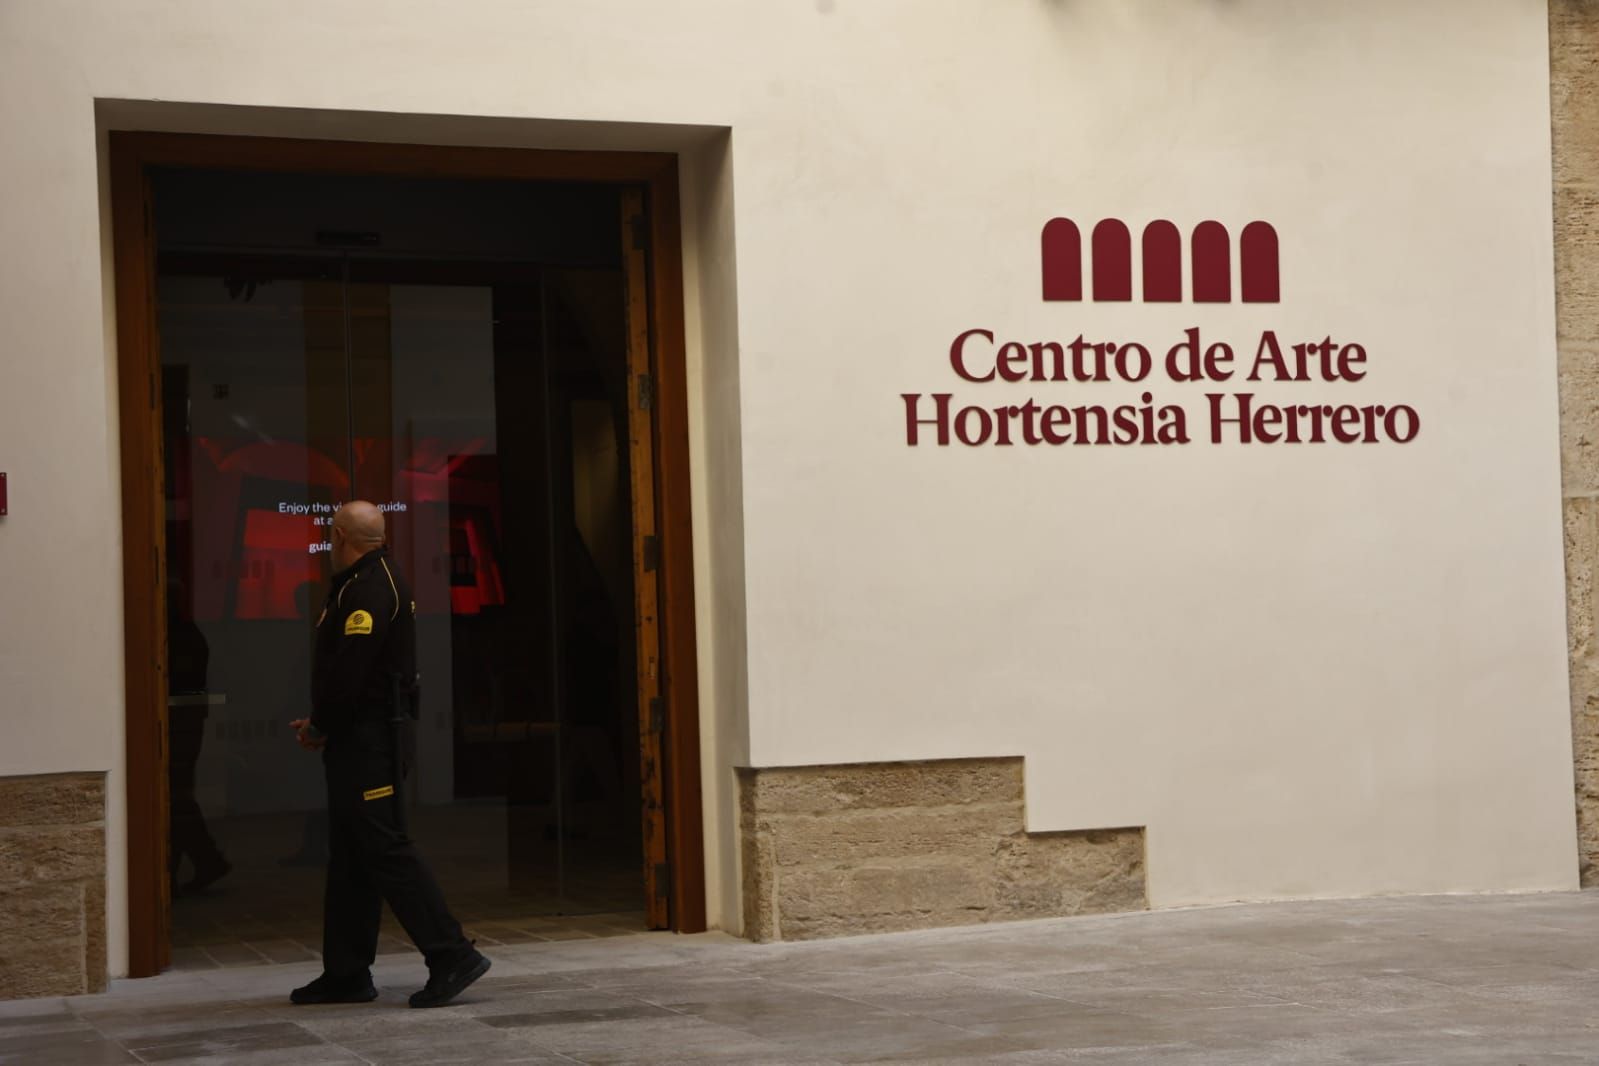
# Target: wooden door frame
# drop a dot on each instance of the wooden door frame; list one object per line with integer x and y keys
{"x": 133, "y": 154}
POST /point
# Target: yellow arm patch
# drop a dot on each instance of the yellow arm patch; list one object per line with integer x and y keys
{"x": 357, "y": 624}
{"x": 378, "y": 793}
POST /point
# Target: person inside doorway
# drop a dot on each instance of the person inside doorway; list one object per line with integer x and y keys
{"x": 188, "y": 661}
{"x": 363, "y": 680}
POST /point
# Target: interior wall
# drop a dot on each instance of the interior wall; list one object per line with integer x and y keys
{"x": 457, "y": 402}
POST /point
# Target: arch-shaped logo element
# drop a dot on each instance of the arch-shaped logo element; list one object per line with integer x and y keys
{"x": 1257, "y": 259}
{"x": 1063, "y": 260}
{"x": 1163, "y": 263}
{"x": 1113, "y": 261}
{"x": 1213, "y": 268}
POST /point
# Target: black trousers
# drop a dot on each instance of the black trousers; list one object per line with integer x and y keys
{"x": 371, "y": 859}
{"x": 185, "y": 737}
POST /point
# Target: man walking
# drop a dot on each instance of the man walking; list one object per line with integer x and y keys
{"x": 364, "y": 665}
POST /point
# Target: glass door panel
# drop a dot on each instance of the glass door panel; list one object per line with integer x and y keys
{"x": 430, "y": 362}
{"x": 496, "y": 435}
{"x": 256, "y": 451}
{"x": 483, "y": 406}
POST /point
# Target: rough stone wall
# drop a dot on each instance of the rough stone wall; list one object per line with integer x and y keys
{"x": 52, "y": 885}
{"x": 1574, "y": 99}
{"x": 875, "y": 847}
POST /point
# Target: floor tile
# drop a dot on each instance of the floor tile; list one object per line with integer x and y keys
{"x": 1406, "y": 981}
{"x": 235, "y": 1041}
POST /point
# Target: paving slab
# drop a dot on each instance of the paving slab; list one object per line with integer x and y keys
{"x": 1409, "y": 980}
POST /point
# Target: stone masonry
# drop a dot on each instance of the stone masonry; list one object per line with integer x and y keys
{"x": 52, "y": 885}
{"x": 876, "y": 847}
{"x": 1574, "y": 90}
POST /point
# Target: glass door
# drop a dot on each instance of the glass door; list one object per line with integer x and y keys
{"x": 483, "y": 406}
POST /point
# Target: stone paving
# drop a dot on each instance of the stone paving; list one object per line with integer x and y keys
{"x": 1456, "y": 979}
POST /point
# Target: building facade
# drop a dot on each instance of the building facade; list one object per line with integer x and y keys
{"x": 1018, "y": 458}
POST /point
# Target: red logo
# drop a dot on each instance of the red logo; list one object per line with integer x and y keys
{"x": 1210, "y": 250}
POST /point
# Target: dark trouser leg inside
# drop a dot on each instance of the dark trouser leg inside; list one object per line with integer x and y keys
{"x": 408, "y": 885}
{"x": 352, "y": 909}
{"x": 366, "y": 830}
{"x": 190, "y": 836}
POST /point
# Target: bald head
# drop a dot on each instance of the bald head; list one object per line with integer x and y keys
{"x": 357, "y": 529}
{"x": 361, "y": 521}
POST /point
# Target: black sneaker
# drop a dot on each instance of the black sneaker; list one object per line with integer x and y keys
{"x": 329, "y": 989}
{"x": 445, "y": 985}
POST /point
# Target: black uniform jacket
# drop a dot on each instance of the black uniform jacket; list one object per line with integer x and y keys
{"x": 365, "y": 643}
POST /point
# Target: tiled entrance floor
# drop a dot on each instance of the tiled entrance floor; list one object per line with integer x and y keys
{"x": 269, "y": 910}
{"x": 304, "y": 944}
{"x": 1441, "y": 980}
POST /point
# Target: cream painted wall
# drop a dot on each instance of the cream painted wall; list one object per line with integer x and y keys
{"x": 1312, "y": 671}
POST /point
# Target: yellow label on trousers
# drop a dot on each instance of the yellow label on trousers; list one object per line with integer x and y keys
{"x": 378, "y": 793}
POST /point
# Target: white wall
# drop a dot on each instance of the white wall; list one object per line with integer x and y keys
{"x": 1309, "y": 671}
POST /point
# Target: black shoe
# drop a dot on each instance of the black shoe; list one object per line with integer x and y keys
{"x": 445, "y": 985}
{"x": 328, "y": 989}
{"x": 209, "y": 874}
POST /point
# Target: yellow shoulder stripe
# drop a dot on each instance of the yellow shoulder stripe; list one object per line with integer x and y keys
{"x": 378, "y": 793}
{"x": 392, "y": 588}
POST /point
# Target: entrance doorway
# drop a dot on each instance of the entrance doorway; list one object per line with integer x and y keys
{"x": 481, "y": 354}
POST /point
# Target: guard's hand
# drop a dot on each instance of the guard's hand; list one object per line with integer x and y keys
{"x": 308, "y": 737}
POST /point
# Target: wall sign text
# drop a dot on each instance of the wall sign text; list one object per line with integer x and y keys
{"x": 1235, "y": 414}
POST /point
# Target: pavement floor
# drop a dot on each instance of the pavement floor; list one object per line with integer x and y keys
{"x": 1435, "y": 980}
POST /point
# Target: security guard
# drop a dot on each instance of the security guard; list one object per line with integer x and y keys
{"x": 365, "y": 666}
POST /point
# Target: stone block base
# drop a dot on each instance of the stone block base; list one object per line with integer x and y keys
{"x": 877, "y": 847}
{"x": 52, "y": 885}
